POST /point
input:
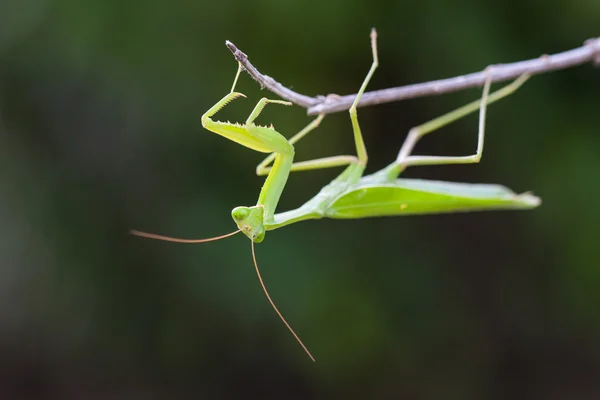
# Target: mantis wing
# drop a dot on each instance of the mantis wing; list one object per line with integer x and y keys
{"x": 417, "y": 196}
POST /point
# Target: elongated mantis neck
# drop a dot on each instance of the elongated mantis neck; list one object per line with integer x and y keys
{"x": 253, "y": 220}
{"x": 274, "y": 184}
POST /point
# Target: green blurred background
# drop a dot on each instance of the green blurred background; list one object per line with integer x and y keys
{"x": 100, "y": 105}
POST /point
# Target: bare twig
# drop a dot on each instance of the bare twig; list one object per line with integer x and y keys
{"x": 270, "y": 83}
{"x": 589, "y": 52}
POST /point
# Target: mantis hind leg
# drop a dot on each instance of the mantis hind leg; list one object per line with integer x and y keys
{"x": 405, "y": 159}
{"x": 361, "y": 156}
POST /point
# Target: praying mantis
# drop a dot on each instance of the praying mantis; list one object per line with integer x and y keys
{"x": 352, "y": 195}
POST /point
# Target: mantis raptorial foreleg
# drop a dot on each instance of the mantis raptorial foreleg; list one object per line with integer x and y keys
{"x": 264, "y": 169}
{"x": 260, "y": 106}
{"x": 404, "y": 158}
{"x": 319, "y": 163}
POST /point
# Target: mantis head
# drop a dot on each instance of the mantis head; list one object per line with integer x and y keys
{"x": 250, "y": 221}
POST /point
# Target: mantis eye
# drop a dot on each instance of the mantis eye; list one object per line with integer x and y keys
{"x": 240, "y": 213}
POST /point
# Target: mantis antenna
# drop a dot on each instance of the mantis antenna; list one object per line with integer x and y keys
{"x": 274, "y": 306}
{"x": 212, "y": 239}
{"x": 179, "y": 240}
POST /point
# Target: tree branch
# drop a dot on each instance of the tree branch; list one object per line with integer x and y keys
{"x": 270, "y": 83}
{"x": 589, "y": 52}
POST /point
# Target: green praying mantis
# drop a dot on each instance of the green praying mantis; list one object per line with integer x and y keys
{"x": 352, "y": 195}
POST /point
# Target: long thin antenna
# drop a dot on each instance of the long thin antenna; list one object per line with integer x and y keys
{"x": 274, "y": 306}
{"x": 179, "y": 240}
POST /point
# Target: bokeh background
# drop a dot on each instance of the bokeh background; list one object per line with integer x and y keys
{"x": 100, "y": 105}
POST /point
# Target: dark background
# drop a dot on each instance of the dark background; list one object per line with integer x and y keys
{"x": 100, "y": 105}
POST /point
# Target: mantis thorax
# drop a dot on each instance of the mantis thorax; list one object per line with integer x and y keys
{"x": 250, "y": 221}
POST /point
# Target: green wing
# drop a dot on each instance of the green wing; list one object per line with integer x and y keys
{"x": 416, "y": 196}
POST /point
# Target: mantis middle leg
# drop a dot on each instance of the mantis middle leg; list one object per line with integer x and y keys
{"x": 361, "y": 156}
